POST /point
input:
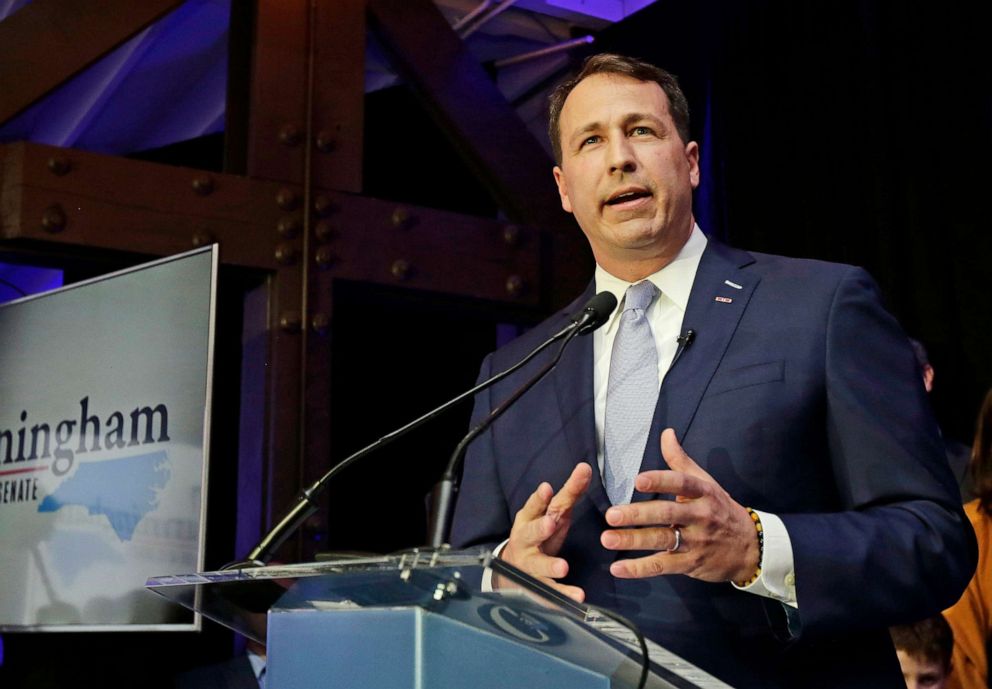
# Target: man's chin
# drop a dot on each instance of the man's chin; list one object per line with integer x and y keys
{"x": 637, "y": 235}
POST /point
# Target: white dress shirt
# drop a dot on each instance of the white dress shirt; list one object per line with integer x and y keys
{"x": 258, "y": 667}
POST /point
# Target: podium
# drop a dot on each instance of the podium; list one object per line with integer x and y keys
{"x": 423, "y": 620}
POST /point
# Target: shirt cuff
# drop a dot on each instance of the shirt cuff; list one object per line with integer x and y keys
{"x": 778, "y": 570}
{"x": 487, "y": 576}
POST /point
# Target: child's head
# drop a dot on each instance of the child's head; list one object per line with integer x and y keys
{"x": 924, "y": 651}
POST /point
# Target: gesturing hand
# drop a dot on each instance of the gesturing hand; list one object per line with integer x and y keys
{"x": 540, "y": 527}
{"x": 718, "y": 538}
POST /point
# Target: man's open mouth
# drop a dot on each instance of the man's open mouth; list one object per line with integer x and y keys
{"x": 627, "y": 196}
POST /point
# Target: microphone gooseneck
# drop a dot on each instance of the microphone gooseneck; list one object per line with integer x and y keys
{"x": 593, "y": 314}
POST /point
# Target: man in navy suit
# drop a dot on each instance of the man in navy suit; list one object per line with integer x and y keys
{"x": 789, "y": 497}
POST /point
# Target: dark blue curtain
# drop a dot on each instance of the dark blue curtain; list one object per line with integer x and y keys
{"x": 848, "y": 130}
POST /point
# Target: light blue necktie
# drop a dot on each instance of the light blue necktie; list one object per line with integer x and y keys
{"x": 631, "y": 394}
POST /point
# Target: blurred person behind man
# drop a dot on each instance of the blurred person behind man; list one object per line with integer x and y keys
{"x": 971, "y": 616}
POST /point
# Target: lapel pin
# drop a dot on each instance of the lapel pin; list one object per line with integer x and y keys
{"x": 724, "y": 300}
{"x": 732, "y": 284}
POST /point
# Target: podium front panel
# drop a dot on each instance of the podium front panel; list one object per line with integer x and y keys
{"x": 423, "y": 619}
{"x": 406, "y": 648}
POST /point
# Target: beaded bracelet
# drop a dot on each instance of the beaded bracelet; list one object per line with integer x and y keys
{"x": 761, "y": 548}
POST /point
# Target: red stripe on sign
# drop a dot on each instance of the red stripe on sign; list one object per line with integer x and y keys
{"x": 23, "y": 471}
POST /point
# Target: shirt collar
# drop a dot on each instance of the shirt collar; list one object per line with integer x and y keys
{"x": 674, "y": 280}
{"x": 257, "y": 663}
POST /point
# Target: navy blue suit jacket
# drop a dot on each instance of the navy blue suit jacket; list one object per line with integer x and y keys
{"x": 801, "y": 397}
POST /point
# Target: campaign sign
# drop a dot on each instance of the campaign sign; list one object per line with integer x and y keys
{"x": 104, "y": 403}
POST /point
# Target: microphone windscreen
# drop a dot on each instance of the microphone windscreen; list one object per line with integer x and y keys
{"x": 596, "y": 312}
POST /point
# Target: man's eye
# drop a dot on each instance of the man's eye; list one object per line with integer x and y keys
{"x": 641, "y": 131}
{"x": 590, "y": 140}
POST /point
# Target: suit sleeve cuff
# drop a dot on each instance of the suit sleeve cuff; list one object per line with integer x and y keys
{"x": 487, "y": 576}
{"x": 778, "y": 571}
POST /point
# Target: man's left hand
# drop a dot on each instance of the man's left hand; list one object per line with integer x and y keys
{"x": 718, "y": 537}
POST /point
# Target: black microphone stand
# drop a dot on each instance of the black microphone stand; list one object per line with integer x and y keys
{"x": 443, "y": 496}
{"x": 306, "y": 503}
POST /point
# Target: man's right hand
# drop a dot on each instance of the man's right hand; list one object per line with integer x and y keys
{"x": 540, "y": 527}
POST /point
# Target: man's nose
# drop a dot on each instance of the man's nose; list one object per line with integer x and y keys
{"x": 622, "y": 158}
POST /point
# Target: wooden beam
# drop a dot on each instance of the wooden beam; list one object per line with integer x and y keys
{"x": 284, "y": 431}
{"x": 48, "y": 41}
{"x": 72, "y": 197}
{"x": 380, "y": 242}
{"x": 278, "y": 103}
{"x": 338, "y": 97}
{"x": 494, "y": 141}
{"x": 464, "y": 100}
{"x": 305, "y": 128}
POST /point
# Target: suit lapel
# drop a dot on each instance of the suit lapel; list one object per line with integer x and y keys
{"x": 714, "y": 311}
{"x": 576, "y": 404}
{"x": 720, "y": 293}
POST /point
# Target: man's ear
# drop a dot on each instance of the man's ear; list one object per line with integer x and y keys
{"x": 692, "y": 155}
{"x": 562, "y": 188}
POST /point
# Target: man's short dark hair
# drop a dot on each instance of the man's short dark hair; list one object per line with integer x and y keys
{"x": 609, "y": 63}
{"x": 931, "y": 640}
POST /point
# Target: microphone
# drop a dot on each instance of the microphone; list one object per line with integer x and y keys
{"x": 684, "y": 340}
{"x": 593, "y": 314}
{"x": 596, "y": 311}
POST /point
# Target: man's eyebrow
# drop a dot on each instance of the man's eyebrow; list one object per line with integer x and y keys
{"x": 590, "y": 127}
{"x": 642, "y": 116}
